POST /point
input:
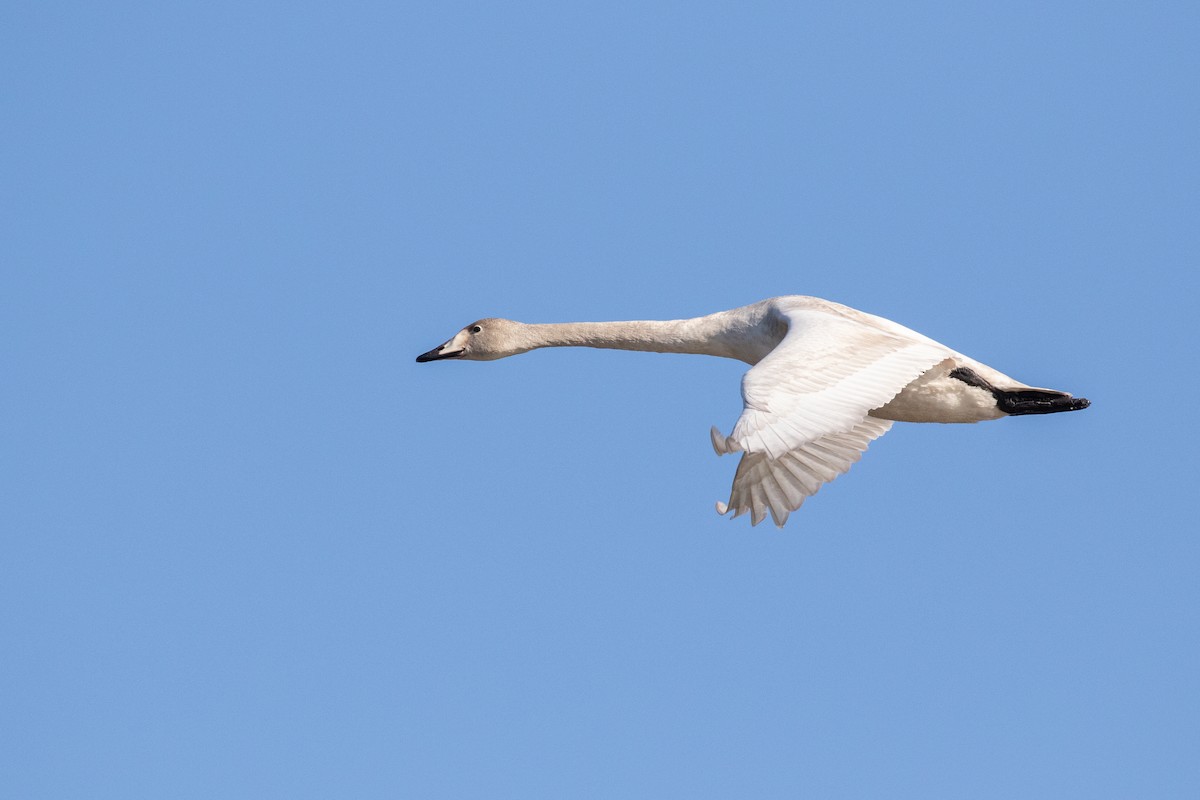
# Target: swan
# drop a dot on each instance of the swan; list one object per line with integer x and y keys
{"x": 825, "y": 381}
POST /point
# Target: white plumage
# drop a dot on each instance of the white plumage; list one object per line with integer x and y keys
{"x": 826, "y": 380}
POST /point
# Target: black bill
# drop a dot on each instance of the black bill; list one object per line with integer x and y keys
{"x": 436, "y": 354}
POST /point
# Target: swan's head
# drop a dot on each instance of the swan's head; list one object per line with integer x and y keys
{"x": 485, "y": 340}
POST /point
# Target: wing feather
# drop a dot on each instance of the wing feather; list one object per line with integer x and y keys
{"x": 823, "y": 377}
{"x": 805, "y": 418}
{"x": 781, "y": 485}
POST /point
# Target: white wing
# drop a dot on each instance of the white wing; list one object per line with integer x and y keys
{"x": 806, "y": 403}
{"x": 781, "y": 485}
{"x": 822, "y": 378}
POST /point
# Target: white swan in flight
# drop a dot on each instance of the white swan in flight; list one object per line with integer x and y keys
{"x": 826, "y": 380}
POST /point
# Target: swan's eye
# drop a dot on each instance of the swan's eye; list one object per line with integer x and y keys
{"x": 475, "y": 329}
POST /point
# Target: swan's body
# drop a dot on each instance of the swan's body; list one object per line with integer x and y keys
{"x": 826, "y": 380}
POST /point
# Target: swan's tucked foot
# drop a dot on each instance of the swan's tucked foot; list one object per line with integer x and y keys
{"x": 722, "y": 509}
{"x": 1016, "y": 402}
{"x": 1039, "y": 402}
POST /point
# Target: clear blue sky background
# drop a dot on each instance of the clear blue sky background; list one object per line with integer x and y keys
{"x": 251, "y": 550}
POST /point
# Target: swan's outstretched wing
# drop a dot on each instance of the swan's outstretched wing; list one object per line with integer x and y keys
{"x": 806, "y": 419}
{"x": 781, "y": 485}
{"x": 823, "y": 378}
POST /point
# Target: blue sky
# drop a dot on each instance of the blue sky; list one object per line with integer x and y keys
{"x": 250, "y": 549}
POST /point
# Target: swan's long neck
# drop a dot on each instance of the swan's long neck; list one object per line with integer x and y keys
{"x": 729, "y": 334}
